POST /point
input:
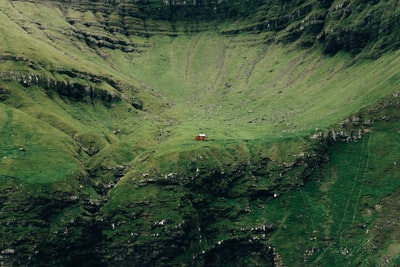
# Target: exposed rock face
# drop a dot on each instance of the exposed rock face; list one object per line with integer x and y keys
{"x": 352, "y": 26}
{"x": 3, "y": 94}
{"x": 184, "y": 218}
{"x": 72, "y": 89}
{"x": 178, "y": 225}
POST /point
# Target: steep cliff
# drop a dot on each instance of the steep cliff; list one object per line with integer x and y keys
{"x": 355, "y": 26}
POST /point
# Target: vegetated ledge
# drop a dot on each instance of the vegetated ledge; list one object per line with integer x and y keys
{"x": 97, "y": 41}
{"x": 72, "y": 88}
{"x": 355, "y": 127}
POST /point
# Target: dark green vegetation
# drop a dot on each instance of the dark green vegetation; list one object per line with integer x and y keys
{"x": 100, "y": 103}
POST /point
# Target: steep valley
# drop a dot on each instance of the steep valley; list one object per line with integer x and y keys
{"x": 100, "y": 103}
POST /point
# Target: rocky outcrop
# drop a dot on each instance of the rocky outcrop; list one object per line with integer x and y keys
{"x": 74, "y": 87}
{"x": 45, "y": 234}
{"x": 222, "y": 254}
{"x": 354, "y": 128}
{"x": 198, "y": 216}
{"x": 370, "y": 28}
{"x": 98, "y": 41}
{"x": 353, "y": 26}
{"x": 4, "y": 93}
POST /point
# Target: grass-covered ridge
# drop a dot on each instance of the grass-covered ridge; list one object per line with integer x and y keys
{"x": 99, "y": 108}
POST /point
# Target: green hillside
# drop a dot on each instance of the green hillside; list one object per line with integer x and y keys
{"x": 100, "y": 104}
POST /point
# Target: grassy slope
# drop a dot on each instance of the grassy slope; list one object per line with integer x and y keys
{"x": 280, "y": 93}
{"x": 343, "y": 216}
{"x": 235, "y": 89}
{"x": 235, "y": 93}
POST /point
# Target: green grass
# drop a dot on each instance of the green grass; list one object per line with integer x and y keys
{"x": 336, "y": 215}
{"x": 233, "y": 87}
{"x": 270, "y": 92}
{"x": 29, "y": 153}
{"x": 254, "y": 100}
